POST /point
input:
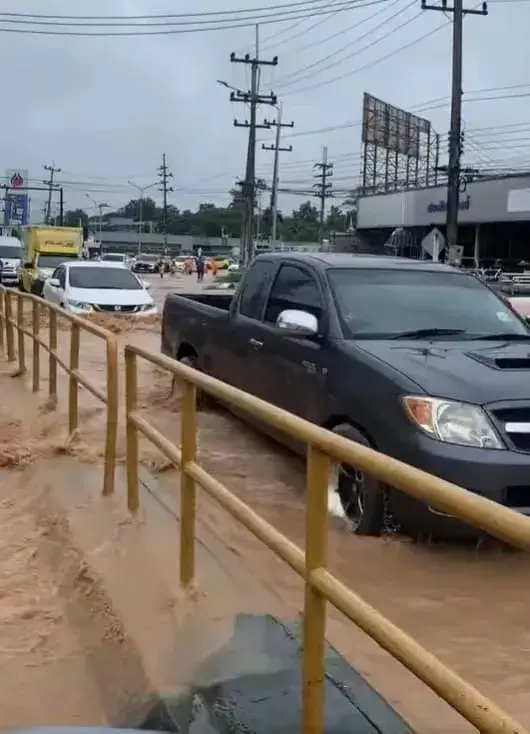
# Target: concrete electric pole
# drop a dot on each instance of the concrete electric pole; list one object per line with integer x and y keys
{"x": 455, "y": 134}
{"x": 50, "y": 184}
{"x": 164, "y": 175}
{"x": 324, "y": 171}
{"x": 253, "y": 98}
{"x": 275, "y": 180}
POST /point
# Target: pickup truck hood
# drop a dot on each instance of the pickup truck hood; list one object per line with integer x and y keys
{"x": 475, "y": 372}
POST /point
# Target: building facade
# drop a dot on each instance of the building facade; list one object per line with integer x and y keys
{"x": 487, "y": 201}
{"x": 494, "y": 216}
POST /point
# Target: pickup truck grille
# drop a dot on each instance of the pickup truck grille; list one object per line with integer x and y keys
{"x": 116, "y": 309}
{"x": 514, "y": 424}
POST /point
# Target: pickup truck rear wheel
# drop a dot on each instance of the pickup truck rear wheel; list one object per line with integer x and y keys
{"x": 361, "y": 496}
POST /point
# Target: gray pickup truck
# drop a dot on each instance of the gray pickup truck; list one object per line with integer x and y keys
{"x": 416, "y": 359}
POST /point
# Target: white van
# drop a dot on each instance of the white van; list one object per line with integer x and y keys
{"x": 10, "y": 260}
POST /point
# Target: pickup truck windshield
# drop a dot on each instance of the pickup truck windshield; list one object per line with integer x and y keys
{"x": 385, "y": 303}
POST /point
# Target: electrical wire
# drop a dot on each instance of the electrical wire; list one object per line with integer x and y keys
{"x": 166, "y": 16}
{"x": 282, "y": 85}
{"x": 173, "y": 28}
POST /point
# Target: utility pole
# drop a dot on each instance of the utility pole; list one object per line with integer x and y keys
{"x": 253, "y": 98}
{"x": 275, "y": 180}
{"x": 52, "y": 170}
{"x": 164, "y": 175}
{"x": 455, "y": 134}
{"x": 324, "y": 171}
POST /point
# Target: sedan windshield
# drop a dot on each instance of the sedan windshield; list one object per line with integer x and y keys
{"x": 10, "y": 252}
{"x": 107, "y": 278}
{"x": 418, "y": 304}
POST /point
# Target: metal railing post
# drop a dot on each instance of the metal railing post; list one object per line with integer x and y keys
{"x": 35, "y": 317}
{"x": 10, "y": 334}
{"x": 313, "y": 665}
{"x": 131, "y": 404}
{"x": 188, "y": 430}
{"x": 73, "y": 391}
{"x": 20, "y": 334}
{"x": 112, "y": 417}
{"x": 52, "y": 368}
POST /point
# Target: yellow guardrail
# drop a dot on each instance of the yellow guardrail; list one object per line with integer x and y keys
{"x": 320, "y": 585}
{"x": 12, "y": 322}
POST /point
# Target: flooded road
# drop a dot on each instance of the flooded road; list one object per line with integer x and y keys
{"x": 467, "y": 605}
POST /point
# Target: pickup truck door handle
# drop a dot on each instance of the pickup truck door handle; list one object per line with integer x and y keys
{"x": 255, "y": 343}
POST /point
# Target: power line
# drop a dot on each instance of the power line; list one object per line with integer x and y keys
{"x": 172, "y": 28}
{"x": 352, "y": 43}
{"x": 166, "y": 16}
{"x": 342, "y": 31}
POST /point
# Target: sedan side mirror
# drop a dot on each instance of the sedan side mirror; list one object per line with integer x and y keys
{"x": 146, "y": 284}
{"x": 54, "y": 282}
{"x": 297, "y": 323}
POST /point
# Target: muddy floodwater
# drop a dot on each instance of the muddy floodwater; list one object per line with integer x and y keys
{"x": 468, "y": 605}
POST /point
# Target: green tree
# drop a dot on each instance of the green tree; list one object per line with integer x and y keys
{"x": 75, "y": 218}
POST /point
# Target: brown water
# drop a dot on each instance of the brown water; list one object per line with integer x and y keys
{"x": 467, "y": 605}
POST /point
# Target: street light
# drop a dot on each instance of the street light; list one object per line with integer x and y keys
{"x": 100, "y": 205}
{"x": 141, "y": 190}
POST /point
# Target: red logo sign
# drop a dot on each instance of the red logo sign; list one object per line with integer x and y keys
{"x": 16, "y": 181}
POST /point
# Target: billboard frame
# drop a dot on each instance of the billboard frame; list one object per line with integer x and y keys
{"x": 399, "y": 149}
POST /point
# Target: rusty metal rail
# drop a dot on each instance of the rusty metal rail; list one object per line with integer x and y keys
{"x": 12, "y": 324}
{"x": 320, "y": 585}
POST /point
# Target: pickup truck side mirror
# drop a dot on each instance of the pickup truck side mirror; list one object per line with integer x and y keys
{"x": 297, "y": 323}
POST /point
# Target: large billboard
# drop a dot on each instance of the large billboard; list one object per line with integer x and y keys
{"x": 16, "y": 197}
{"x": 392, "y": 128}
{"x": 399, "y": 150}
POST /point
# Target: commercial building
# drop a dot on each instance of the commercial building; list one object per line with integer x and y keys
{"x": 494, "y": 217}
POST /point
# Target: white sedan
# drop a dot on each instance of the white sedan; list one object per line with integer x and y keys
{"x": 105, "y": 287}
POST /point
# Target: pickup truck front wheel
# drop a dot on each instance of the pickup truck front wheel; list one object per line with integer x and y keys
{"x": 190, "y": 360}
{"x": 361, "y": 496}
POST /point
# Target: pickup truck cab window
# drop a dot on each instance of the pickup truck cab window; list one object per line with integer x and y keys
{"x": 294, "y": 288}
{"x": 255, "y": 289}
{"x": 382, "y": 303}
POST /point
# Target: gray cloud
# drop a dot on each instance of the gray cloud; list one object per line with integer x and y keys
{"x": 105, "y": 109}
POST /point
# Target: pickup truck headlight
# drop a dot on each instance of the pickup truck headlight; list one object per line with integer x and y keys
{"x": 452, "y": 422}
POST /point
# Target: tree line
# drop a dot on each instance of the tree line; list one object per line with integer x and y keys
{"x": 209, "y": 220}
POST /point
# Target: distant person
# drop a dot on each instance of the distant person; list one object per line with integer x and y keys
{"x": 200, "y": 265}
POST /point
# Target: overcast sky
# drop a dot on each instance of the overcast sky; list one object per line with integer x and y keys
{"x": 105, "y": 109}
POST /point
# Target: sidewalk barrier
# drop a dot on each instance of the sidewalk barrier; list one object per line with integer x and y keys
{"x": 12, "y": 314}
{"x": 320, "y": 585}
